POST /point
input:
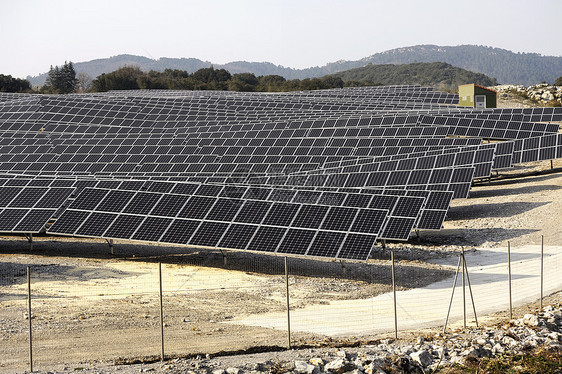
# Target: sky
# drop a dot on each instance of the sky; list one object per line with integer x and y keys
{"x": 36, "y": 34}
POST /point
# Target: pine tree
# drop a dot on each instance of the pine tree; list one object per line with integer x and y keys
{"x": 61, "y": 80}
{"x": 69, "y": 82}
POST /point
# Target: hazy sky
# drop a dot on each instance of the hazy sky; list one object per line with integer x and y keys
{"x": 35, "y": 34}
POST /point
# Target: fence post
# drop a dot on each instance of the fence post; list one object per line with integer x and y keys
{"x": 463, "y": 289}
{"x": 542, "y": 268}
{"x": 470, "y": 289}
{"x": 509, "y": 279}
{"x": 452, "y": 295}
{"x": 29, "y": 317}
{"x": 288, "y": 304}
{"x": 161, "y": 311}
{"x": 394, "y": 293}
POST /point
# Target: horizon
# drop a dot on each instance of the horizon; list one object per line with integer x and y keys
{"x": 288, "y": 33}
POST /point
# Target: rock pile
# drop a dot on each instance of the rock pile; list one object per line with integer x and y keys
{"x": 542, "y": 94}
{"x": 515, "y": 337}
{"x": 533, "y": 331}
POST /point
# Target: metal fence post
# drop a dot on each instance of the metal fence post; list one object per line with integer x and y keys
{"x": 542, "y": 268}
{"x": 470, "y": 290}
{"x": 452, "y": 295}
{"x": 394, "y": 293}
{"x": 509, "y": 279}
{"x": 29, "y": 317}
{"x": 161, "y": 311}
{"x": 463, "y": 289}
{"x": 288, "y": 304}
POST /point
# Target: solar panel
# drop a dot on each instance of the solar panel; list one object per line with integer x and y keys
{"x": 10, "y": 218}
{"x": 310, "y": 173}
{"x": 180, "y": 231}
{"x": 296, "y": 241}
{"x": 96, "y": 224}
{"x": 237, "y": 236}
{"x": 398, "y": 228}
{"x": 266, "y": 239}
{"x": 152, "y": 229}
{"x": 326, "y": 244}
{"x": 357, "y": 246}
{"x": 123, "y": 227}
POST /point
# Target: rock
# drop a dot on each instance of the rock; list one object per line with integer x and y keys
{"x": 304, "y": 367}
{"x": 530, "y": 320}
{"x": 424, "y": 358}
{"x": 547, "y": 96}
{"x": 373, "y": 368}
{"x": 256, "y": 366}
{"x": 341, "y": 353}
{"x": 482, "y": 341}
{"x": 472, "y": 352}
{"x": 233, "y": 370}
{"x": 498, "y": 348}
{"x": 339, "y": 366}
{"x": 316, "y": 361}
{"x": 218, "y": 371}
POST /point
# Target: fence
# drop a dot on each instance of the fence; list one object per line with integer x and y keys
{"x": 176, "y": 304}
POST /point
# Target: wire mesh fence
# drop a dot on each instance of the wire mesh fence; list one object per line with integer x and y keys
{"x": 124, "y": 309}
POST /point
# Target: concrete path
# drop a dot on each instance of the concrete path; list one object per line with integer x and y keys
{"x": 427, "y": 307}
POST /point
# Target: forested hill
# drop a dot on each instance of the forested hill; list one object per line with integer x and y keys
{"x": 504, "y": 65}
{"x": 436, "y": 74}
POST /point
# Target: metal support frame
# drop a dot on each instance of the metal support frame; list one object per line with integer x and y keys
{"x": 470, "y": 289}
{"x": 462, "y": 262}
{"x": 30, "y": 240}
{"x": 223, "y": 252}
{"x": 452, "y": 294}
{"x": 110, "y": 244}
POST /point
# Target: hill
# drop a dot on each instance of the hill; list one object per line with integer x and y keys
{"x": 436, "y": 74}
{"x": 504, "y": 65}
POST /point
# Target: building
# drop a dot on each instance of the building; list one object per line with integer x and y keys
{"x": 476, "y": 96}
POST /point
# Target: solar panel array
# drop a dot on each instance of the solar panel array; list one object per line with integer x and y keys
{"x": 323, "y": 173}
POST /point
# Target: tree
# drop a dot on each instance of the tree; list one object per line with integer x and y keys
{"x": 125, "y": 78}
{"x": 271, "y": 83}
{"x": 10, "y": 84}
{"x": 84, "y": 82}
{"x": 244, "y": 82}
{"x": 61, "y": 80}
{"x": 211, "y": 79}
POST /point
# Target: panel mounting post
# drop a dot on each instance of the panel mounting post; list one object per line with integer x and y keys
{"x": 223, "y": 257}
{"x": 110, "y": 243}
{"x": 30, "y": 240}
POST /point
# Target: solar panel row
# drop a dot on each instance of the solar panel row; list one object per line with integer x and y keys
{"x": 323, "y": 173}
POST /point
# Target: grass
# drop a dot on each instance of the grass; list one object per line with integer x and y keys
{"x": 537, "y": 362}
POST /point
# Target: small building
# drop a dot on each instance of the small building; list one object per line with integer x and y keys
{"x": 476, "y": 96}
